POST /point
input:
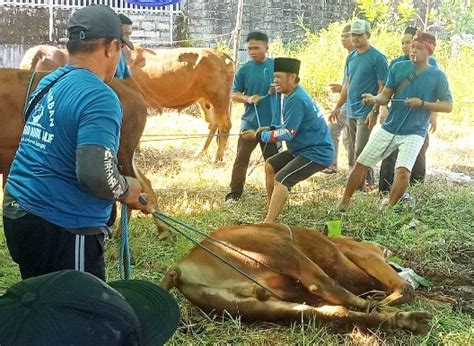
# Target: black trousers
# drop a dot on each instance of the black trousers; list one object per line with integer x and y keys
{"x": 40, "y": 247}
{"x": 242, "y": 159}
{"x": 418, "y": 172}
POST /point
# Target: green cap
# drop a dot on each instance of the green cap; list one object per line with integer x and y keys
{"x": 360, "y": 26}
{"x": 96, "y": 21}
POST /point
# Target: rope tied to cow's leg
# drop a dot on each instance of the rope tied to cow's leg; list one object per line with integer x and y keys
{"x": 125, "y": 267}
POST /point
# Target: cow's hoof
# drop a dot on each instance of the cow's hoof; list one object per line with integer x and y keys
{"x": 402, "y": 296}
{"x": 219, "y": 158}
{"x": 416, "y": 322}
{"x": 165, "y": 235}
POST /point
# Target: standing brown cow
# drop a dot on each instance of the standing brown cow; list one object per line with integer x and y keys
{"x": 13, "y": 92}
{"x": 172, "y": 78}
{"x": 296, "y": 273}
{"x": 177, "y": 78}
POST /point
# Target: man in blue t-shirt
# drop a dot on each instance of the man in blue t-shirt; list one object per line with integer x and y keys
{"x": 64, "y": 178}
{"x": 303, "y": 128}
{"x": 415, "y": 89}
{"x": 341, "y": 124}
{"x": 122, "y": 71}
{"x": 366, "y": 71}
{"x": 387, "y": 167}
{"x": 251, "y": 87}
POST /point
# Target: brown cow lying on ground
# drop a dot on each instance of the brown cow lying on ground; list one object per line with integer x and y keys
{"x": 304, "y": 274}
{"x": 13, "y": 90}
{"x": 171, "y": 78}
{"x": 177, "y": 78}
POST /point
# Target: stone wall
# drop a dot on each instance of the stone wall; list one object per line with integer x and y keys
{"x": 278, "y": 18}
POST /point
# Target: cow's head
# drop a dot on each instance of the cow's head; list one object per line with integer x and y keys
{"x": 137, "y": 57}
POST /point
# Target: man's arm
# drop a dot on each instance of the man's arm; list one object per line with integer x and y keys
{"x": 438, "y": 106}
{"x": 382, "y": 99}
{"x": 340, "y": 102}
{"x": 371, "y": 119}
{"x": 242, "y": 98}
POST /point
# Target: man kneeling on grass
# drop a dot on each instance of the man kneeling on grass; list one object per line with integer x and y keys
{"x": 418, "y": 89}
{"x": 310, "y": 147}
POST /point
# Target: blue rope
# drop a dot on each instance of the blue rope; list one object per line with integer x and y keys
{"x": 125, "y": 267}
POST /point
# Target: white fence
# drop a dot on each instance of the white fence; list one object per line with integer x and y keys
{"x": 117, "y": 5}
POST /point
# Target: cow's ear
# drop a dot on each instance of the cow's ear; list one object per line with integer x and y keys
{"x": 137, "y": 58}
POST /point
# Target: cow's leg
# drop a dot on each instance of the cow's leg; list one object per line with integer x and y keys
{"x": 416, "y": 322}
{"x": 222, "y": 115}
{"x": 370, "y": 259}
{"x": 209, "y": 117}
{"x": 163, "y": 229}
{"x": 281, "y": 308}
{"x": 212, "y": 132}
{"x": 316, "y": 281}
{"x": 290, "y": 261}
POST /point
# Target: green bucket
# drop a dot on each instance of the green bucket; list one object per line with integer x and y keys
{"x": 334, "y": 228}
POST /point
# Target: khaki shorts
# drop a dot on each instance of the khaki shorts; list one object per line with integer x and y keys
{"x": 383, "y": 143}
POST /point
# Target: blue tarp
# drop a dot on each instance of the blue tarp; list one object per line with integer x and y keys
{"x": 153, "y": 2}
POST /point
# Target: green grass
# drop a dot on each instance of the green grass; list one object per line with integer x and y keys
{"x": 435, "y": 239}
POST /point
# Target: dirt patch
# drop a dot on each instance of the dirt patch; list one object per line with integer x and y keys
{"x": 455, "y": 288}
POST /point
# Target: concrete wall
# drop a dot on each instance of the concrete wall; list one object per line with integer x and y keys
{"x": 24, "y": 27}
{"x": 278, "y": 18}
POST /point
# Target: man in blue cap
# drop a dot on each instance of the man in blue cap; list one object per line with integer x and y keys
{"x": 303, "y": 128}
{"x": 64, "y": 178}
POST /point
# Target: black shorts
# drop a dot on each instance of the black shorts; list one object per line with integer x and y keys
{"x": 40, "y": 247}
{"x": 291, "y": 169}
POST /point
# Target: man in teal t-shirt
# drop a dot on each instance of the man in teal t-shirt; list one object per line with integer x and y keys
{"x": 64, "y": 177}
{"x": 366, "y": 71}
{"x": 341, "y": 124}
{"x": 424, "y": 89}
{"x": 251, "y": 87}
{"x": 303, "y": 128}
{"x": 122, "y": 71}
{"x": 387, "y": 167}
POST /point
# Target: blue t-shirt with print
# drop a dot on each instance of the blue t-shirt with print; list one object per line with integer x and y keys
{"x": 122, "y": 69}
{"x": 255, "y": 78}
{"x": 80, "y": 109}
{"x": 431, "y": 61}
{"x": 312, "y": 137}
{"x": 364, "y": 71}
{"x": 429, "y": 85}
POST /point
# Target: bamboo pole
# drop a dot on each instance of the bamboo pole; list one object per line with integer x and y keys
{"x": 238, "y": 29}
